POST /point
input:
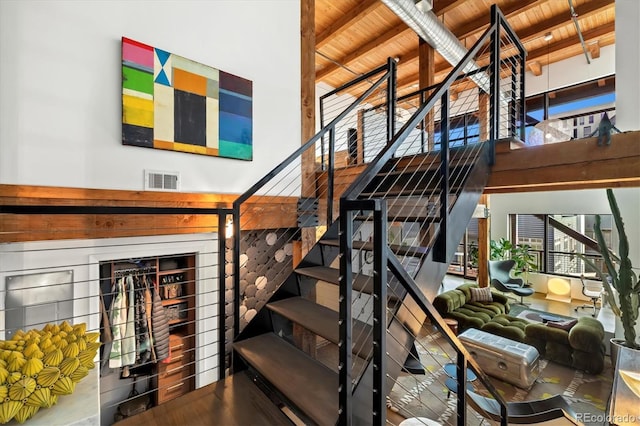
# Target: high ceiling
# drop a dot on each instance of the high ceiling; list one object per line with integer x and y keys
{"x": 356, "y": 36}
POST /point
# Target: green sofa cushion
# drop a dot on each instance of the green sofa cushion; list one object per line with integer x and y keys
{"x": 587, "y": 335}
{"x": 562, "y": 354}
{"x": 590, "y": 362}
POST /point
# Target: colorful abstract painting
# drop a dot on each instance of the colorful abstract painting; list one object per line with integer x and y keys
{"x": 170, "y": 102}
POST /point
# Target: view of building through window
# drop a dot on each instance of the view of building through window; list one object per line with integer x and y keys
{"x": 555, "y": 246}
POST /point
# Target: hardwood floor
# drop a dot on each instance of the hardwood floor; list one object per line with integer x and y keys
{"x": 233, "y": 401}
{"x": 238, "y": 401}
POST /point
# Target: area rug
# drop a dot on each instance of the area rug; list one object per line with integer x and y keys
{"x": 426, "y": 395}
{"x": 534, "y": 315}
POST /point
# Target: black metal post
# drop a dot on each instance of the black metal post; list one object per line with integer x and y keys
{"x": 545, "y": 105}
{"x": 461, "y": 375}
{"x": 379, "y": 312}
{"x": 236, "y": 271}
{"x": 494, "y": 97}
{"x": 322, "y": 154}
{"x": 523, "y": 103}
{"x": 345, "y": 409}
{"x": 466, "y": 129}
{"x": 440, "y": 244}
{"x": 391, "y": 99}
{"x": 330, "y": 175}
{"x": 513, "y": 113}
{"x": 222, "y": 279}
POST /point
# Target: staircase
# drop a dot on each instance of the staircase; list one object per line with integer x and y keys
{"x": 398, "y": 223}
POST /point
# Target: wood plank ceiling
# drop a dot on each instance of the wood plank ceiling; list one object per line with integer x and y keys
{"x": 355, "y": 36}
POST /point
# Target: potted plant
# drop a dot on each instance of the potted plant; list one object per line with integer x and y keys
{"x": 520, "y": 253}
{"x": 619, "y": 276}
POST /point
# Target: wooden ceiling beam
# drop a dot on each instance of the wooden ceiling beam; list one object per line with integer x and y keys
{"x": 533, "y": 56}
{"x": 470, "y": 28}
{"x": 477, "y": 25}
{"x": 535, "y": 67}
{"x": 394, "y": 32}
{"x": 440, "y": 7}
{"x": 348, "y": 19}
{"x": 563, "y": 19}
{"x": 594, "y": 49}
{"x": 595, "y": 33}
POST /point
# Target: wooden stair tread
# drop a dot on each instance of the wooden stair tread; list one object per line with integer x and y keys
{"x": 308, "y": 384}
{"x": 363, "y": 283}
{"x": 323, "y": 321}
{"x": 395, "y": 248}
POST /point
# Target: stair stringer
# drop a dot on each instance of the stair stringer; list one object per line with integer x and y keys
{"x": 431, "y": 273}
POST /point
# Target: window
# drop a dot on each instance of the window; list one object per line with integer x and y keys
{"x": 554, "y": 248}
{"x": 581, "y": 120}
{"x": 586, "y": 132}
{"x": 591, "y": 119}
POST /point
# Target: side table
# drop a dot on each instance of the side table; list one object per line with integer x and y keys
{"x": 452, "y": 324}
{"x": 451, "y": 382}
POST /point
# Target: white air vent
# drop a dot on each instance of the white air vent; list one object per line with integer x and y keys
{"x": 161, "y": 181}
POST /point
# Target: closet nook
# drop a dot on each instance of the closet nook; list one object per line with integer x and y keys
{"x": 148, "y": 323}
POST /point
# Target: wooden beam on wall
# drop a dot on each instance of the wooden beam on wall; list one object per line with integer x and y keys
{"x": 576, "y": 164}
{"x": 308, "y": 119}
{"x": 484, "y": 237}
{"x": 258, "y": 213}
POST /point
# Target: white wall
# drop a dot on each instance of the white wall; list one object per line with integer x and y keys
{"x": 588, "y": 201}
{"x": 628, "y": 64}
{"x": 571, "y": 71}
{"x": 60, "y": 79}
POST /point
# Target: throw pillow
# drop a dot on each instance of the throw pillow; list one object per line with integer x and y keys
{"x": 563, "y": 325}
{"x": 481, "y": 294}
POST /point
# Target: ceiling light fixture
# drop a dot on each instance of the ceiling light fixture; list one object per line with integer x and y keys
{"x": 548, "y": 37}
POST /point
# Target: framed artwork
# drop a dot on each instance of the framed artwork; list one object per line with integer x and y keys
{"x": 173, "y": 103}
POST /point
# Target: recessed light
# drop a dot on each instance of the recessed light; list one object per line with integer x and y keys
{"x": 548, "y": 37}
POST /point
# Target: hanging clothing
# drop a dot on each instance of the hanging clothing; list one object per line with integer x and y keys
{"x": 160, "y": 326}
{"x": 143, "y": 342}
{"x": 118, "y": 324}
{"x": 129, "y": 340}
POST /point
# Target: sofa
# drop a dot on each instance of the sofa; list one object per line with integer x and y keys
{"x": 581, "y": 347}
{"x": 488, "y": 316}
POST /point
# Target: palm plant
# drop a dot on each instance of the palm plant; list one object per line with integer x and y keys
{"x": 622, "y": 278}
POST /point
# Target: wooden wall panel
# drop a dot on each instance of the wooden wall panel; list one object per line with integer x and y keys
{"x": 260, "y": 212}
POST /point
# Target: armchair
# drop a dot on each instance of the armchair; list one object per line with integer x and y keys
{"x": 501, "y": 279}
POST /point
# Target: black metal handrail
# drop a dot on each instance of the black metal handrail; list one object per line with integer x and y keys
{"x": 386, "y": 74}
{"x": 464, "y": 356}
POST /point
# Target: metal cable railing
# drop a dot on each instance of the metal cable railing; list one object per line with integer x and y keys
{"x": 170, "y": 275}
{"x": 297, "y": 191}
